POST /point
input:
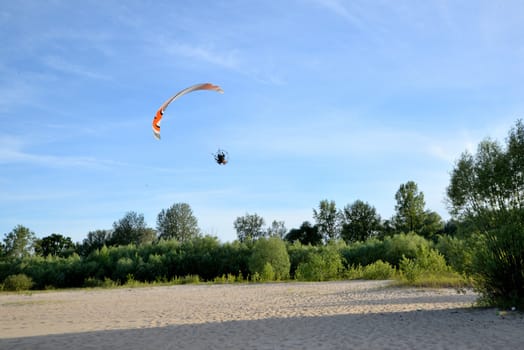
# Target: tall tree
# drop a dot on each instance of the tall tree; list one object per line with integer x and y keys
{"x": 487, "y": 190}
{"x": 249, "y": 227}
{"x": 277, "y": 229}
{"x": 177, "y": 222}
{"x": 327, "y": 219}
{"x": 306, "y": 234}
{"x": 19, "y": 242}
{"x": 431, "y": 225}
{"x": 410, "y": 214}
{"x": 490, "y": 184}
{"x": 95, "y": 240}
{"x": 54, "y": 245}
{"x": 360, "y": 222}
{"x": 131, "y": 229}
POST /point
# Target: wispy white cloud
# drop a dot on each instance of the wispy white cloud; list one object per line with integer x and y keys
{"x": 231, "y": 59}
{"x": 16, "y": 156}
{"x": 36, "y": 196}
{"x": 341, "y": 8}
{"x": 342, "y": 135}
{"x": 226, "y": 59}
{"x": 15, "y": 93}
{"x": 13, "y": 150}
{"x": 62, "y": 65}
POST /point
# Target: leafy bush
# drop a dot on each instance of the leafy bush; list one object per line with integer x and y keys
{"x": 498, "y": 266}
{"x": 410, "y": 270}
{"x": 16, "y": 283}
{"x": 429, "y": 269}
{"x": 273, "y": 251}
{"x": 312, "y": 270}
{"x": 92, "y": 282}
{"x": 298, "y": 253}
{"x": 459, "y": 252}
{"x": 321, "y": 266}
{"x": 379, "y": 270}
{"x": 124, "y": 267}
{"x": 268, "y": 274}
{"x": 426, "y": 261}
{"x": 363, "y": 253}
{"x": 229, "y": 278}
{"x": 390, "y": 250}
{"x": 189, "y": 279}
{"x": 403, "y": 245}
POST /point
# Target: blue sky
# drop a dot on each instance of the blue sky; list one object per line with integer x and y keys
{"x": 324, "y": 99}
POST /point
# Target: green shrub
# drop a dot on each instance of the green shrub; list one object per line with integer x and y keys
{"x": 390, "y": 250}
{"x": 124, "y": 267}
{"x": 268, "y": 274}
{"x": 92, "y": 282}
{"x": 459, "y": 252}
{"x": 255, "y": 277}
{"x": 354, "y": 272}
{"x": 273, "y": 251}
{"x": 426, "y": 261}
{"x": 229, "y": 278}
{"x": 403, "y": 245}
{"x": 322, "y": 266}
{"x": 363, "y": 253}
{"x": 16, "y": 283}
{"x": 311, "y": 270}
{"x": 379, "y": 270}
{"x": 498, "y": 265}
{"x": 298, "y": 253}
{"x": 187, "y": 279}
{"x": 410, "y": 270}
{"x": 429, "y": 269}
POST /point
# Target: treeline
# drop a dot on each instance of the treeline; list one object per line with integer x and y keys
{"x": 483, "y": 241}
{"x": 356, "y": 222}
{"x": 267, "y": 259}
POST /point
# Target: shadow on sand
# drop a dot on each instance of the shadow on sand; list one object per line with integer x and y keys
{"x": 438, "y": 329}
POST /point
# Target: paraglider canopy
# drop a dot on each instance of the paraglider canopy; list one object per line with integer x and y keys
{"x": 160, "y": 112}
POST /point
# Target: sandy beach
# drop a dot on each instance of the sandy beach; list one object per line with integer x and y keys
{"x": 331, "y": 315}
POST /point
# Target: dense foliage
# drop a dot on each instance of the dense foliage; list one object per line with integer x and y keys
{"x": 270, "y": 251}
{"x": 177, "y": 222}
{"x": 482, "y": 244}
{"x": 207, "y": 259}
{"x": 487, "y": 193}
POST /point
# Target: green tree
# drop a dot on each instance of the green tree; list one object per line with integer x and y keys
{"x": 271, "y": 251}
{"x": 131, "y": 229}
{"x": 487, "y": 191}
{"x": 249, "y": 227}
{"x": 431, "y": 225}
{"x": 95, "y": 240}
{"x": 327, "y": 219}
{"x": 360, "y": 222}
{"x": 306, "y": 234}
{"x": 55, "y": 245}
{"x": 277, "y": 229}
{"x": 177, "y": 222}
{"x": 410, "y": 213}
{"x": 489, "y": 185}
{"x": 19, "y": 242}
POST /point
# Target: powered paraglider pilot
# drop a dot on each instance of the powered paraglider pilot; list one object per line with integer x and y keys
{"x": 221, "y": 157}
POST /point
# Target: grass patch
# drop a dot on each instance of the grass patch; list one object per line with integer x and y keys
{"x": 431, "y": 280}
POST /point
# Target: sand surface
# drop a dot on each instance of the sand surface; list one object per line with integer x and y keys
{"x": 331, "y": 315}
